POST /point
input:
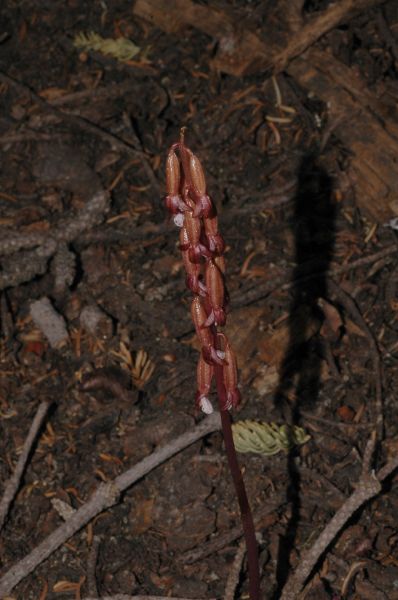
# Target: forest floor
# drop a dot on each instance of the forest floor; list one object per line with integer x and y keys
{"x": 312, "y": 279}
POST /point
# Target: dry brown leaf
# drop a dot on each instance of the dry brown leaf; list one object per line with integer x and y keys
{"x": 66, "y": 586}
{"x": 353, "y": 328}
{"x": 143, "y": 516}
{"x": 331, "y": 327}
{"x": 266, "y": 379}
{"x": 303, "y": 326}
{"x": 52, "y": 93}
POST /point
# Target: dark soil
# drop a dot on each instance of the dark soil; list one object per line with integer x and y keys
{"x": 289, "y": 214}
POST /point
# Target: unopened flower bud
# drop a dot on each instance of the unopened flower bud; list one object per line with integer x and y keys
{"x": 197, "y": 175}
{"x": 173, "y": 174}
{"x": 193, "y": 270}
{"x": 192, "y": 243}
{"x": 215, "y": 290}
{"x": 230, "y": 376}
{"x": 204, "y": 376}
{"x": 193, "y": 226}
{"x": 205, "y": 335}
{"x": 215, "y": 241}
{"x": 199, "y": 317}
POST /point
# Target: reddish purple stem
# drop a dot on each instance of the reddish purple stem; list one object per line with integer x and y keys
{"x": 245, "y": 511}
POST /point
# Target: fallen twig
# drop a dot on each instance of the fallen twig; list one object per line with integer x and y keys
{"x": 355, "y": 314}
{"x": 368, "y": 486}
{"x": 315, "y": 28}
{"x": 23, "y": 265}
{"x": 104, "y": 497}
{"x": 284, "y": 282}
{"x": 234, "y": 572}
{"x": 214, "y": 545}
{"x": 13, "y": 483}
{"x": 242, "y": 51}
{"x": 92, "y": 567}
{"x": 85, "y": 125}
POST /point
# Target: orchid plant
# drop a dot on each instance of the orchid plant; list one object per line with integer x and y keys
{"x": 202, "y": 248}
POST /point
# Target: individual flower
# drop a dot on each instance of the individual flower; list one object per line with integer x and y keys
{"x": 204, "y": 376}
{"x": 215, "y": 293}
{"x": 205, "y": 335}
{"x": 203, "y": 204}
{"x": 214, "y": 240}
{"x": 173, "y": 200}
{"x": 193, "y": 278}
{"x": 230, "y": 375}
{"x": 193, "y": 227}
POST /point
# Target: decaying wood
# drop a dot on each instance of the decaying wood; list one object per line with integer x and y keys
{"x": 241, "y": 51}
{"x": 363, "y": 121}
{"x": 365, "y": 125}
{"x": 315, "y": 28}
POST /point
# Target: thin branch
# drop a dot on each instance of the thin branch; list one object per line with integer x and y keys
{"x": 92, "y": 567}
{"x": 314, "y": 29}
{"x": 214, "y": 545}
{"x": 351, "y": 307}
{"x": 233, "y": 576}
{"x": 284, "y": 282}
{"x": 13, "y": 483}
{"x": 368, "y": 486}
{"x": 104, "y": 497}
{"x": 248, "y": 52}
{"x": 84, "y": 125}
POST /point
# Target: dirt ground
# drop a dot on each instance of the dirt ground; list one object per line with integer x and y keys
{"x": 311, "y": 275}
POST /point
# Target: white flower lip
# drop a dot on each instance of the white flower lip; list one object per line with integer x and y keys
{"x": 178, "y": 219}
{"x": 206, "y": 405}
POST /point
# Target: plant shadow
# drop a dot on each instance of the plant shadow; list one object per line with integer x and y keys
{"x": 314, "y": 237}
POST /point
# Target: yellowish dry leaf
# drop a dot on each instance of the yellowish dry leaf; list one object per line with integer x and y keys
{"x": 122, "y": 49}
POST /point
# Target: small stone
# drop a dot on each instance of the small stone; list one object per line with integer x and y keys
{"x": 96, "y": 322}
{"x": 49, "y": 321}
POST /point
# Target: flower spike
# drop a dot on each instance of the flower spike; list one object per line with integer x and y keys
{"x": 202, "y": 248}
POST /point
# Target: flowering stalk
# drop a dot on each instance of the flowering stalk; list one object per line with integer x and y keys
{"x": 202, "y": 248}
